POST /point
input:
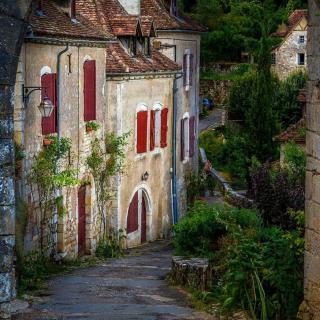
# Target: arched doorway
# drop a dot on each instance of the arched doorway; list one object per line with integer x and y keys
{"x": 137, "y": 216}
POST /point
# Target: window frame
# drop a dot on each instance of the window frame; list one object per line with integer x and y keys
{"x": 299, "y": 59}
{"x": 300, "y": 38}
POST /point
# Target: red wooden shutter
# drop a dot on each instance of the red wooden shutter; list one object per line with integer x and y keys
{"x": 132, "y": 220}
{"x": 182, "y": 139}
{"x": 142, "y": 131}
{"x": 89, "y": 90}
{"x": 152, "y": 129}
{"x": 191, "y": 136}
{"x": 164, "y": 127}
{"x": 48, "y": 84}
{"x": 191, "y": 69}
{"x": 185, "y": 61}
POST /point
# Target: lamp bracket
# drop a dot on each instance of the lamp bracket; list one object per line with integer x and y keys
{"x": 26, "y": 91}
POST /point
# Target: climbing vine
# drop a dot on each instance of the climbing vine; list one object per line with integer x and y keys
{"x": 105, "y": 161}
{"x": 52, "y": 169}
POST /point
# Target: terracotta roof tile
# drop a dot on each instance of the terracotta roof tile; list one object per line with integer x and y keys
{"x": 55, "y": 22}
{"x": 164, "y": 20}
{"x": 125, "y": 25}
{"x": 293, "y": 133}
{"x": 294, "y": 18}
{"x": 119, "y": 61}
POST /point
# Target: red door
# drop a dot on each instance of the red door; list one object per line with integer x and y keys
{"x": 132, "y": 220}
{"x": 143, "y": 221}
{"x": 81, "y": 219}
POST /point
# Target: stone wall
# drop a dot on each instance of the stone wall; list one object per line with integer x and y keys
{"x": 13, "y": 28}
{"x": 311, "y": 306}
{"x": 217, "y": 90}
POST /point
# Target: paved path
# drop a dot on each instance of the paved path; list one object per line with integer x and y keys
{"x": 213, "y": 119}
{"x": 130, "y": 288}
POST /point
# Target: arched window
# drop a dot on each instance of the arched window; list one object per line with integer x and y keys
{"x": 158, "y": 127}
{"x": 142, "y": 129}
{"x": 184, "y": 137}
{"x": 89, "y": 70}
{"x": 48, "y": 90}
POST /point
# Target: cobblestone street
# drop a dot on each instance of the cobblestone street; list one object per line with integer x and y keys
{"x": 131, "y": 288}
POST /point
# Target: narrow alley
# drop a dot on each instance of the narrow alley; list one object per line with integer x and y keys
{"x": 129, "y": 288}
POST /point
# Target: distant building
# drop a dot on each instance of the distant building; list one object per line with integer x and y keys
{"x": 290, "y": 54}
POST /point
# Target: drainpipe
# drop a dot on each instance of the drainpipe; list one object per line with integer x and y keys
{"x": 57, "y": 192}
{"x": 59, "y": 88}
{"x": 175, "y": 210}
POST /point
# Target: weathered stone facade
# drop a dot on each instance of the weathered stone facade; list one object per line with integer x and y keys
{"x": 289, "y": 54}
{"x": 13, "y": 27}
{"x": 311, "y": 307}
{"x": 217, "y": 90}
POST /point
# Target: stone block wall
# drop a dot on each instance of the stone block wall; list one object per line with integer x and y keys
{"x": 217, "y": 90}
{"x": 310, "y": 309}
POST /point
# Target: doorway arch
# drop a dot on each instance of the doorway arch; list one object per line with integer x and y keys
{"x": 139, "y": 217}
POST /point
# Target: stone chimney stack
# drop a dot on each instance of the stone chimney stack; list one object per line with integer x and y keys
{"x": 131, "y": 6}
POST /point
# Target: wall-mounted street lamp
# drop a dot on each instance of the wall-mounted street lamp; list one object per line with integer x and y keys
{"x": 45, "y": 107}
{"x": 145, "y": 176}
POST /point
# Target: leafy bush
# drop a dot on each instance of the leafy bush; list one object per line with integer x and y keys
{"x": 294, "y": 162}
{"x": 256, "y": 268}
{"x": 287, "y": 105}
{"x": 197, "y": 233}
{"x": 111, "y": 247}
{"x": 275, "y": 195}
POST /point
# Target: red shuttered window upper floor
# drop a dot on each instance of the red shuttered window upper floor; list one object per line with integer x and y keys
{"x": 89, "y": 69}
{"x": 164, "y": 127}
{"x": 48, "y": 85}
{"x": 142, "y": 131}
{"x": 192, "y": 135}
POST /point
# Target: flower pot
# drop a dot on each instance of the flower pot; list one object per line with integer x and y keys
{"x": 89, "y": 129}
{"x": 47, "y": 142}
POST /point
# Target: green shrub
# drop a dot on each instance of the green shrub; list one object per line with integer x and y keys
{"x": 111, "y": 247}
{"x": 295, "y": 160}
{"x": 255, "y": 268}
{"x": 197, "y": 233}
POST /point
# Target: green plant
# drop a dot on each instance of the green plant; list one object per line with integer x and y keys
{"x": 93, "y": 125}
{"x": 19, "y": 152}
{"x": 112, "y": 247}
{"x": 106, "y": 160}
{"x": 51, "y": 170}
{"x": 294, "y": 162}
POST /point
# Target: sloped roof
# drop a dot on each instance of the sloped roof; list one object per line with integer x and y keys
{"x": 164, "y": 20}
{"x": 293, "y": 133}
{"x": 293, "y": 20}
{"x": 53, "y": 21}
{"x": 118, "y": 61}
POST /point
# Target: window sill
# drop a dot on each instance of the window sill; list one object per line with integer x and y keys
{"x": 156, "y": 152}
{"x": 140, "y": 156}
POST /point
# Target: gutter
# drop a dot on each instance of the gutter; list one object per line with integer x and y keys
{"x": 175, "y": 209}
{"x": 141, "y": 74}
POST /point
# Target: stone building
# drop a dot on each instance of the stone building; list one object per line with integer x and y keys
{"x": 310, "y": 309}
{"x": 95, "y": 61}
{"x": 290, "y": 54}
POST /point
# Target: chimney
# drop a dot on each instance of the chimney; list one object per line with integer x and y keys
{"x": 131, "y": 6}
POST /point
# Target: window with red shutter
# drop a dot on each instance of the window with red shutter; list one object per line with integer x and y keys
{"x": 142, "y": 131}
{"x": 191, "y": 136}
{"x": 152, "y": 129}
{"x": 89, "y": 68}
{"x": 191, "y": 69}
{"x": 164, "y": 127}
{"x": 48, "y": 85}
{"x": 132, "y": 219}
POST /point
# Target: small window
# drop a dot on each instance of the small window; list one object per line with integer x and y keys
{"x": 184, "y": 137}
{"x": 301, "y": 59}
{"x": 187, "y": 70}
{"x": 146, "y": 47}
{"x": 158, "y": 128}
{"x": 273, "y": 58}
{"x": 301, "y": 39}
{"x": 133, "y": 46}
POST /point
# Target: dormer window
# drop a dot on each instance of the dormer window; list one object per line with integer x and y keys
{"x": 133, "y": 46}
{"x": 73, "y": 9}
{"x": 147, "y": 46}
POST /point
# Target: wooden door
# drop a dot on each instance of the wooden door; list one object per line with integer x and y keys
{"x": 81, "y": 219}
{"x": 143, "y": 220}
{"x": 132, "y": 220}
